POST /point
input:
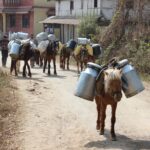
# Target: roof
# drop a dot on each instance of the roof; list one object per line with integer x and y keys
{"x": 61, "y": 20}
{"x": 16, "y": 10}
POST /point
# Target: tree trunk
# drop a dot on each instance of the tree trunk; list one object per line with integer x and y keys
{"x": 116, "y": 29}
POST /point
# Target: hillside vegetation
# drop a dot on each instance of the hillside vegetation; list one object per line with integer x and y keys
{"x": 127, "y": 36}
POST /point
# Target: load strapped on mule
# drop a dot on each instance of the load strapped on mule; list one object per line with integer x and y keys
{"x": 43, "y": 39}
{"x": 17, "y": 39}
{"x": 93, "y": 49}
{"x": 83, "y": 43}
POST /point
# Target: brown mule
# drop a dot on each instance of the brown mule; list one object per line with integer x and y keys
{"x": 108, "y": 92}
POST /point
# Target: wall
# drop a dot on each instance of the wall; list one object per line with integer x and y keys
{"x": 44, "y": 3}
{"x": 19, "y": 24}
{"x": 39, "y": 15}
{"x": 26, "y": 2}
{"x": 1, "y": 3}
{"x": 107, "y": 6}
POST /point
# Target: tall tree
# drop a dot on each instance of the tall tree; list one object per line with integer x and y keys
{"x": 115, "y": 30}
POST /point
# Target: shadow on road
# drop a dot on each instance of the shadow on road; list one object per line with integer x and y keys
{"x": 54, "y": 76}
{"x": 123, "y": 142}
{"x": 27, "y": 78}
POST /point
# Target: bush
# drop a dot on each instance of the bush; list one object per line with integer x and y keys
{"x": 87, "y": 26}
{"x": 139, "y": 54}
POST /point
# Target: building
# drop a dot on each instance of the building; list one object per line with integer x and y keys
{"x": 24, "y": 15}
{"x": 68, "y": 12}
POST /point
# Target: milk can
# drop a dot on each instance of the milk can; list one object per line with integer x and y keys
{"x": 22, "y": 35}
{"x": 71, "y": 44}
{"x": 14, "y": 50}
{"x": 86, "y": 84}
{"x": 51, "y": 37}
{"x": 131, "y": 83}
{"x": 97, "y": 50}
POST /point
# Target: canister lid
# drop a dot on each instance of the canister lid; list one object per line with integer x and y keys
{"x": 122, "y": 63}
{"x": 94, "y": 66}
{"x": 95, "y": 45}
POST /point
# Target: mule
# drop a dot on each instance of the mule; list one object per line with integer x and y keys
{"x": 83, "y": 58}
{"x": 25, "y": 53}
{"x": 108, "y": 92}
{"x": 48, "y": 55}
{"x": 65, "y": 54}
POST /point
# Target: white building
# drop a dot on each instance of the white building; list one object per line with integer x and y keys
{"x": 68, "y": 12}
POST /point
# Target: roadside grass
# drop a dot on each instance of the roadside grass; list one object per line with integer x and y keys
{"x": 8, "y": 113}
{"x": 145, "y": 77}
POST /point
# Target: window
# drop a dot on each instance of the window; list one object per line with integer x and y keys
{"x": 71, "y": 5}
{"x": 95, "y": 3}
{"x": 25, "y": 21}
{"x": 12, "y": 21}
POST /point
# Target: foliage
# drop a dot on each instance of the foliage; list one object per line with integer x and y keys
{"x": 87, "y": 26}
{"x": 139, "y": 55}
{"x": 8, "y": 113}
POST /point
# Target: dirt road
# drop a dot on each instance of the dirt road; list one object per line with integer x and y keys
{"x": 54, "y": 119}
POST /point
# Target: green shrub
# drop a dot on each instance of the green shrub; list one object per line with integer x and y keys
{"x": 87, "y": 26}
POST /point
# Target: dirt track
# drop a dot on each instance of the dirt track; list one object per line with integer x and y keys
{"x": 54, "y": 119}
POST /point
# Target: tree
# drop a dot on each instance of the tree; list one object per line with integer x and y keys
{"x": 116, "y": 29}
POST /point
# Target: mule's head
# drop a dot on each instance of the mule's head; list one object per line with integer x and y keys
{"x": 113, "y": 83}
{"x": 84, "y": 53}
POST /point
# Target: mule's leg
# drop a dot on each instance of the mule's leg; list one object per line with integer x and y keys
{"x": 98, "y": 104}
{"x": 18, "y": 66}
{"x": 49, "y": 66}
{"x": 78, "y": 67}
{"x": 24, "y": 69}
{"x": 29, "y": 73}
{"x": 15, "y": 67}
{"x": 11, "y": 67}
{"x": 113, "y": 120}
{"x": 45, "y": 63}
{"x": 103, "y": 116}
{"x": 54, "y": 63}
{"x": 81, "y": 66}
{"x": 61, "y": 61}
{"x": 41, "y": 61}
{"x": 68, "y": 62}
{"x": 64, "y": 62}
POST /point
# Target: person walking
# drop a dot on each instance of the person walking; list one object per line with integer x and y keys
{"x": 4, "y": 49}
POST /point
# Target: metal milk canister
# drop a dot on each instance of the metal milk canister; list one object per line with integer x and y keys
{"x": 14, "y": 50}
{"x": 86, "y": 83}
{"x": 132, "y": 84}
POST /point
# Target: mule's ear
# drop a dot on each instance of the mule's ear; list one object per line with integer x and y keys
{"x": 120, "y": 71}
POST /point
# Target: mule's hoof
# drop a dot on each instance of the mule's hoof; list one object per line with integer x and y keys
{"x": 101, "y": 132}
{"x": 24, "y": 75}
{"x": 113, "y": 138}
{"x": 97, "y": 127}
{"x": 30, "y": 75}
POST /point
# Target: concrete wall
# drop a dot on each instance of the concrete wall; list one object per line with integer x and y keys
{"x": 18, "y": 26}
{"x": 26, "y": 2}
{"x": 39, "y": 15}
{"x": 44, "y": 3}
